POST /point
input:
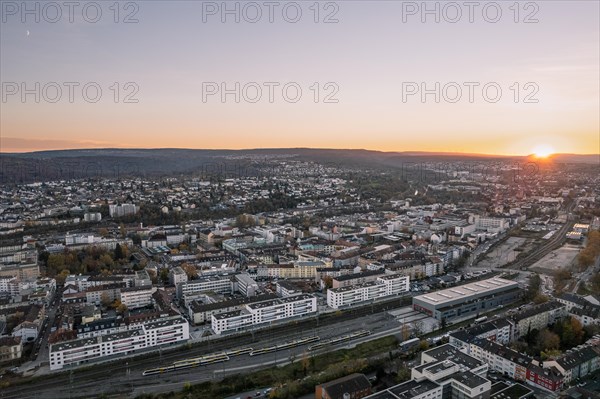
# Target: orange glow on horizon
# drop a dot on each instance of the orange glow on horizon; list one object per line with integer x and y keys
{"x": 543, "y": 151}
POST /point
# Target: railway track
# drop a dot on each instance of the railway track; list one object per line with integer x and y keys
{"x": 101, "y": 372}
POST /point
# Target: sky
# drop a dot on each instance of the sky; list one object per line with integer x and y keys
{"x": 380, "y": 75}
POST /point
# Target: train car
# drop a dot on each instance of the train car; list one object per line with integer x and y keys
{"x": 158, "y": 370}
{"x": 341, "y": 339}
{"x": 410, "y": 344}
{"x": 284, "y": 346}
{"x": 238, "y": 352}
{"x": 216, "y": 359}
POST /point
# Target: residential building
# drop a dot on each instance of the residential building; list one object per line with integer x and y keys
{"x": 11, "y": 348}
{"x": 177, "y": 276}
{"x": 384, "y": 286}
{"x": 219, "y": 284}
{"x": 116, "y": 211}
{"x": 137, "y": 297}
{"x": 353, "y": 386}
{"x": 264, "y": 313}
{"x": 537, "y": 317}
{"x": 148, "y": 335}
{"x": 202, "y": 312}
{"x": 246, "y": 285}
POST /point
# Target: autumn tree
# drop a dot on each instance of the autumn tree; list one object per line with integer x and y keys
{"x": 164, "y": 275}
{"x": 61, "y": 277}
{"x": 540, "y": 298}
{"x": 61, "y": 335}
{"x": 118, "y": 252}
{"x": 547, "y": 340}
{"x": 56, "y": 262}
{"x": 190, "y": 270}
{"x": 405, "y": 332}
{"x": 105, "y": 299}
{"x": 561, "y": 278}
{"x": 121, "y": 308}
{"x": 106, "y": 260}
{"x": 534, "y": 286}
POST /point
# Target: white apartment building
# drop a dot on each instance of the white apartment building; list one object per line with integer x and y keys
{"x": 500, "y": 358}
{"x": 148, "y": 335}
{"x": 384, "y": 286}
{"x": 464, "y": 229}
{"x": 264, "y": 312}
{"x": 92, "y": 216}
{"x": 95, "y": 295}
{"x": 218, "y": 284}
{"x": 177, "y": 276}
{"x": 490, "y": 224}
{"x": 122, "y": 210}
{"x": 246, "y": 285}
{"x": 84, "y": 282}
{"x": 137, "y": 297}
{"x": 9, "y": 285}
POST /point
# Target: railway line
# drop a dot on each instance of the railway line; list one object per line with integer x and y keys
{"x": 99, "y": 372}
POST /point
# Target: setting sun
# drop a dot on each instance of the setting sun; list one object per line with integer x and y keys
{"x": 543, "y": 151}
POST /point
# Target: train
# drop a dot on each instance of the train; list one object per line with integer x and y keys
{"x": 338, "y": 340}
{"x": 225, "y": 356}
{"x": 188, "y": 363}
{"x": 287, "y": 345}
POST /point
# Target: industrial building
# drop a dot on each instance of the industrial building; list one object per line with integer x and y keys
{"x": 468, "y": 299}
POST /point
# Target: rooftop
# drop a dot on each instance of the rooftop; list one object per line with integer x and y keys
{"x": 351, "y": 383}
{"x": 449, "y": 352}
{"x": 478, "y": 288}
{"x": 515, "y": 391}
{"x": 412, "y": 388}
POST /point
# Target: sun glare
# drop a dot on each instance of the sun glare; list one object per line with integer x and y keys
{"x": 543, "y": 151}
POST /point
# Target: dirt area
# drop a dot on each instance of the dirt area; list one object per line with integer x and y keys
{"x": 557, "y": 259}
{"x": 505, "y": 252}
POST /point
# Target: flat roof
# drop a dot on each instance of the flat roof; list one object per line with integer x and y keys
{"x": 469, "y": 379}
{"x": 355, "y": 287}
{"x": 515, "y": 391}
{"x": 412, "y": 388}
{"x": 279, "y": 301}
{"x": 449, "y": 352}
{"x": 227, "y": 315}
{"x": 477, "y": 288}
{"x": 367, "y": 273}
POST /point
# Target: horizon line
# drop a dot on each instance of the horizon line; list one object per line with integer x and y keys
{"x": 405, "y": 152}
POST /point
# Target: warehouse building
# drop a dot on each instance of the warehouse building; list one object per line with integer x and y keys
{"x": 468, "y": 299}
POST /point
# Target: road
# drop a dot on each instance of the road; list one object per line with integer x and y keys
{"x": 587, "y": 274}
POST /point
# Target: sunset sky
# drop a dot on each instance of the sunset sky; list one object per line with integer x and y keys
{"x": 370, "y": 54}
